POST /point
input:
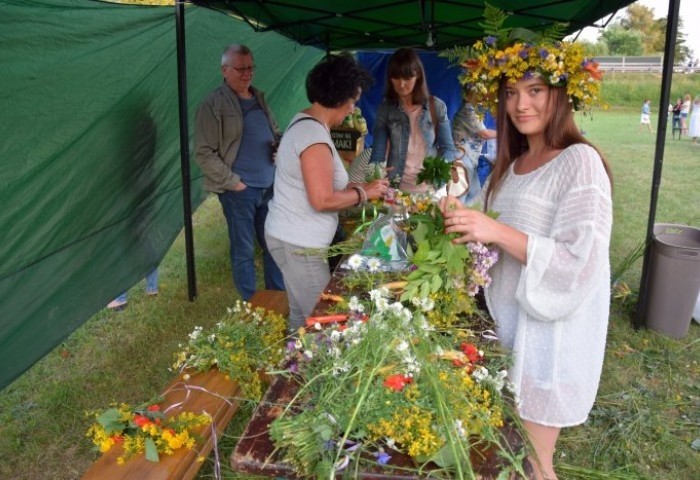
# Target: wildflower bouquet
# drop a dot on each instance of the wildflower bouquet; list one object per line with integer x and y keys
{"x": 242, "y": 344}
{"x": 390, "y": 386}
{"x": 143, "y": 430}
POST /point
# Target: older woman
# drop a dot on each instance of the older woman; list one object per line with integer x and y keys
{"x": 311, "y": 183}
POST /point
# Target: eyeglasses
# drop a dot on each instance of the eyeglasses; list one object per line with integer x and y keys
{"x": 250, "y": 68}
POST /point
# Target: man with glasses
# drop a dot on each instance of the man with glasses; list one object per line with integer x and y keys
{"x": 235, "y": 142}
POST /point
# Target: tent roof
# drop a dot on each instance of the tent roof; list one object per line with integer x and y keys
{"x": 385, "y": 24}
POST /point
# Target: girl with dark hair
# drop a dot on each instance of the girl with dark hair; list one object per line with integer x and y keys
{"x": 311, "y": 183}
{"x": 550, "y": 293}
{"x": 410, "y": 123}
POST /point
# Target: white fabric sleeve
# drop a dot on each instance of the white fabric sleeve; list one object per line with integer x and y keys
{"x": 562, "y": 268}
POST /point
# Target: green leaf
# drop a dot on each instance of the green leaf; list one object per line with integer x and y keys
{"x": 111, "y": 421}
{"x": 437, "y": 283}
{"x": 151, "y": 450}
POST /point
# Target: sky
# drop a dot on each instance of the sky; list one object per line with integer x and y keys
{"x": 689, "y": 12}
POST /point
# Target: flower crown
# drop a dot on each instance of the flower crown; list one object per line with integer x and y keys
{"x": 516, "y": 53}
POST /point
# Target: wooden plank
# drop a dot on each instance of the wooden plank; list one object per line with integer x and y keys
{"x": 274, "y": 300}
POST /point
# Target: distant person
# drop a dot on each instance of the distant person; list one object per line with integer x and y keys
{"x": 695, "y": 121}
{"x": 646, "y": 116}
{"x": 235, "y": 137}
{"x": 120, "y": 302}
{"x": 469, "y": 134}
{"x": 685, "y": 111}
{"x": 676, "y": 115}
{"x": 410, "y": 124}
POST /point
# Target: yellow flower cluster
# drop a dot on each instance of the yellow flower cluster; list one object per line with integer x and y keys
{"x": 412, "y": 428}
{"x": 450, "y": 308}
{"x": 561, "y": 64}
{"x": 245, "y": 342}
{"x": 472, "y": 403}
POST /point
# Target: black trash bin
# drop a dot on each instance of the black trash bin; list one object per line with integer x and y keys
{"x": 674, "y": 278}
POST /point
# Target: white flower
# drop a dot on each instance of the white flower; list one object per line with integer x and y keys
{"x": 460, "y": 429}
{"x": 375, "y": 294}
{"x": 355, "y": 261}
{"x": 355, "y": 305}
{"x": 381, "y": 304}
{"x": 335, "y": 336}
{"x": 402, "y": 346}
{"x": 480, "y": 374}
{"x": 297, "y": 344}
{"x": 373, "y": 264}
{"x": 317, "y": 326}
{"x": 308, "y": 354}
{"x": 211, "y": 338}
{"x": 390, "y": 442}
{"x": 427, "y": 304}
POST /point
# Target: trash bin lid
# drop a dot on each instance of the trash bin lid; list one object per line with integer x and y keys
{"x": 677, "y": 240}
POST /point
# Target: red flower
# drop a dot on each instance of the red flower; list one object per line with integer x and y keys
{"x": 397, "y": 382}
{"x": 154, "y": 408}
{"x": 470, "y": 351}
{"x": 117, "y": 438}
{"x": 140, "y": 420}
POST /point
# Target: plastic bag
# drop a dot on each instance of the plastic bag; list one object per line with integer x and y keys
{"x": 386, "y": 240}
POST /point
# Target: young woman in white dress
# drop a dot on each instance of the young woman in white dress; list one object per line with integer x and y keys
{"x": 551, "y": 289}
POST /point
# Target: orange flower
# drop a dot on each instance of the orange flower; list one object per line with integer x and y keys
{"x": 397, "y": 382}
{"x": 592, "y": 68}
{"x": 117, "y": 438}
{"x": 140, "y": 420}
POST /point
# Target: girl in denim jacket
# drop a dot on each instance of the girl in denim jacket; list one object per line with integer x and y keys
{"x": 410, "y": 123}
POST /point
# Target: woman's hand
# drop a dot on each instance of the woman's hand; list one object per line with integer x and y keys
{"x": 376, "y": 188}
{"x": 470, "y": 224}
{"x": 475, "y": 226}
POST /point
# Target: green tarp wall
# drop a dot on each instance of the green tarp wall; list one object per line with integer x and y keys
{"x": 90, "y": 181}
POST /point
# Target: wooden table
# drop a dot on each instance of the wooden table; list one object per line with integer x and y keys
{"x": 255, "y": 451}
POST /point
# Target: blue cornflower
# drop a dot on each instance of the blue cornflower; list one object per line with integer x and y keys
{"x": 490, "y": 40}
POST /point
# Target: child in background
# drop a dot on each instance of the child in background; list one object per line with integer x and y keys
{"x": 646, "y": 114}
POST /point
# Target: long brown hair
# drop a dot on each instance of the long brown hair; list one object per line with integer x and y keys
{"x": 561, "y": 132}
{"x": 405, "y": 63}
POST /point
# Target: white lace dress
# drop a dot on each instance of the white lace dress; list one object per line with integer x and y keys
{"x": 553, "y": 312}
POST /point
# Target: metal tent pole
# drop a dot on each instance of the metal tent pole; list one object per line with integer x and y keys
{"x": 185, "y": 148}
{"x": 669, "y": 54}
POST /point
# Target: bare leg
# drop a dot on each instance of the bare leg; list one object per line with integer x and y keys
{"x": 543, "y": 440}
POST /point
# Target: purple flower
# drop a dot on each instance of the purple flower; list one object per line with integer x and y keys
{"x": 490, "y": 40}
{"x": 524, "y": 54}
{"x": 291, "y": 345}
{"x": 294, "y": 368}
{"x": 382, "y": 457}
{"x": 544, "y": 53}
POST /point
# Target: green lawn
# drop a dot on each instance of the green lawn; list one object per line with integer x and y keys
{"x": 643, "y": 424}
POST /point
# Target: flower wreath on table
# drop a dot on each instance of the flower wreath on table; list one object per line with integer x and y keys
{"x": 517, "y": 53}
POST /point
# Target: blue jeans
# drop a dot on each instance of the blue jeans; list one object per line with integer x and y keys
{"x": 151, "y": 286}
{"x": 245, "y": 213}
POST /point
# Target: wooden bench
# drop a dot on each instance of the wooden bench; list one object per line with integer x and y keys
{"x": 219, "y": 403}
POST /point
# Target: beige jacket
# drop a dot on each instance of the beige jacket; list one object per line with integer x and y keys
{"x": 217, "y": 136}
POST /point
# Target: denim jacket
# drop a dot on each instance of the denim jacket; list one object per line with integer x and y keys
{"x": 392, "y": 130}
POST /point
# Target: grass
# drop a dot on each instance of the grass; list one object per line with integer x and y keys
{"x": 643, "y": 424}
